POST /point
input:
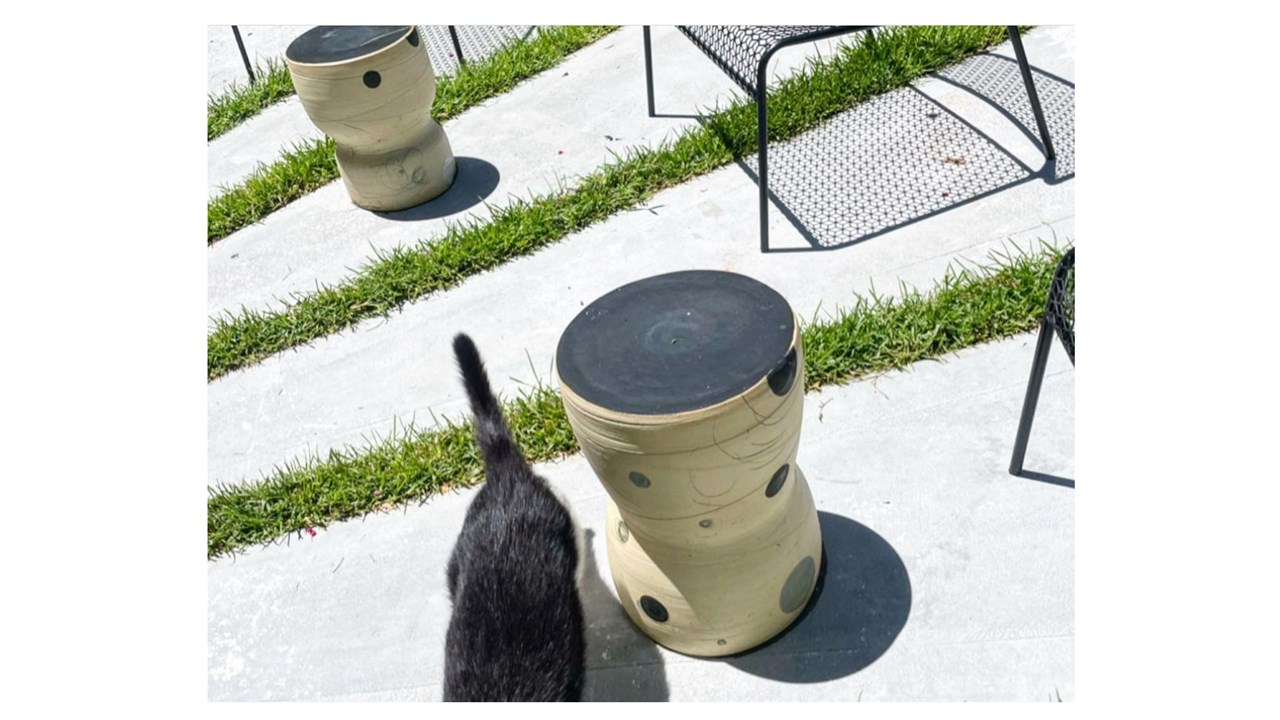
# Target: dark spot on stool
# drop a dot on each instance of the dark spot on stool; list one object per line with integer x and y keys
{"x": 639, "y": 480}
{"x": 777, "y": 481}
{"x": 781, "y": 378}
{"x": 796, "y": 589}
{"x": 413, "y": 38}
{"x": 653, "y": 609}
{"x": 721, "y": 642}
{"x": 705, "y": 523}
{"x": 419, "y": 175}
{"x": 372, "y": 79}
{"x": 623, "y": 532}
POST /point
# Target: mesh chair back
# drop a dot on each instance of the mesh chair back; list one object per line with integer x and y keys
{"x": 1061, "y": 307}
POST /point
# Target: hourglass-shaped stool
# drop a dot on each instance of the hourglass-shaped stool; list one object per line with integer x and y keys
{"x": 685, "y": 392}
{"x": 370, "y": 88}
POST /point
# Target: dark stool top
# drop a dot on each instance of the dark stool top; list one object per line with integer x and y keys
{"x": 336, "y": 43}
{"x": 678, "y": 342}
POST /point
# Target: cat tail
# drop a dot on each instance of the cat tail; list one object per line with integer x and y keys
{"x": 492, "y": 434}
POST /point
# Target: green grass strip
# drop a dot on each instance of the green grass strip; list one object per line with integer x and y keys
{"x": 241, "y": 102}
{"x": 891, "y": 60}
{"x": 967, "y": 307}
{"x": 311, "y": 165}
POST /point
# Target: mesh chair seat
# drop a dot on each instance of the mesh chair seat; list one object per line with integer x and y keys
{"x": 737, "y": 49}
{"x": 743, "y": 51}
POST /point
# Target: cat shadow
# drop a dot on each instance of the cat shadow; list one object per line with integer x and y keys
{"x": 623, "y": 664}
{"x": 859, "y": 606}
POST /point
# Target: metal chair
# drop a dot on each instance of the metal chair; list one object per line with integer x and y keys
{"x": 743, "y": 53}
{"x": 1059, "y": 318}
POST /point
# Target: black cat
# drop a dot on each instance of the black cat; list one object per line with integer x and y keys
{"x": 517, "y": 631}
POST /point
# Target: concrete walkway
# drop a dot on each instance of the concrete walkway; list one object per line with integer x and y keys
{"x": 572, "y": 119}
{"x": 265, "y": 136}
{"x": 261, "y": 42}
{"x": 269, "y": 42}
{"x": 949, "y": 578}
{"x": 348, "y": 387}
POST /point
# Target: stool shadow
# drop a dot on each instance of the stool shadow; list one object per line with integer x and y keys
{"x": 475, "y": 180}
{"x": 623, "y": 664}
{"x": 858, "y": 608}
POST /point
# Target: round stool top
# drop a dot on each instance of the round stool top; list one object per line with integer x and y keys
{"x": 338, "y": 43}
{"x": 676, "y": 342}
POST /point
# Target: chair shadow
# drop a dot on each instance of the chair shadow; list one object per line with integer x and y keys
{"x": 859, "y": 606}
{"x": 475, "y": 180}
{"x": 623, "y": 664}
{"x": 989, "y": 77}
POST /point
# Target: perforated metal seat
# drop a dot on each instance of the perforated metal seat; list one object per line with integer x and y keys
{"x": 738, "y": 49}
{"x": 743, "y": 53}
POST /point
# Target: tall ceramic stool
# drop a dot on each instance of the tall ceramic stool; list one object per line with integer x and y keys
{"x": 370, "y": 88}
{"x": 685, "y": 392}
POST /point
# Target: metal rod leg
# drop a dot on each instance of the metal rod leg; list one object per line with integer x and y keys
{"x": 762, "y": 137}
{"x": 648, "y": 69}
{"x": 1016, "y": 38}
{"x": 1043, "y": 343}
{"x": 457, "y": 46}
{"x": 244, "y": 55}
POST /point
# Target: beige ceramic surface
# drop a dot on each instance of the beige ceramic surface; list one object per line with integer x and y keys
{"x": 391, "y": 153}
{"x": 697, "y": 521}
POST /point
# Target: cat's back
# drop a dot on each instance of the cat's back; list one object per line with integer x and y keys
{"x": 517, "y": 628}
{"x": 516, "y": 632}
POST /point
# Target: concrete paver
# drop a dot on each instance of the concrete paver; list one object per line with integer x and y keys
{"x": 947, "y": 578}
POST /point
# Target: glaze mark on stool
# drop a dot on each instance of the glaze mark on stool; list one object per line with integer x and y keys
{"x": 777, "y": 481}
{"x": 795, "y": 591}
{"x": 653, "y": 609}
{"x": 780, "y": 380}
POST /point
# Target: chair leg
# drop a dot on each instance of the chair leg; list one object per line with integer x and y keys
{"x": 1043, "y": 344}
{"x": 648, "y": 69}
{"x": 762, "y": 138}
{"x": 243, "y": 55}
{"x": 1016, "y": 38}
{"x": 457, "y": 45}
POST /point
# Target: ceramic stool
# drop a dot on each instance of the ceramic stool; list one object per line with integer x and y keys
{"x": 685, "y": 392}
{"x": 370, "y": 88}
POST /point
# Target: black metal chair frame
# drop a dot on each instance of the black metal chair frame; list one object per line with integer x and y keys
{"x": 760, "y": 92}
{"x": 1054, "y": 321}
{"x": 244, "y": 55}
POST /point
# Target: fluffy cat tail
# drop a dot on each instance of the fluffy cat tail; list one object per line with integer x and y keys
{"x": 492, "y": 434}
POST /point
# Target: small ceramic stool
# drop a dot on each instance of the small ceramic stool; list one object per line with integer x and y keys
{"x": 370, "y": 88}
{"x": 685, "y": 392}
